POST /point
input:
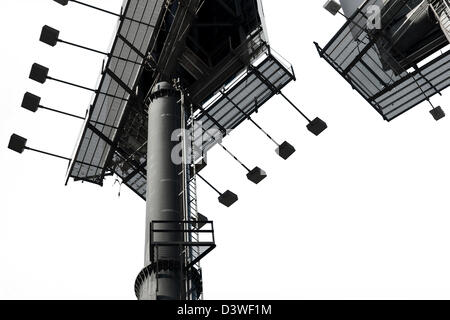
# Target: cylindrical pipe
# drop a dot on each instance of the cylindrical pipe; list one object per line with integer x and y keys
{"x": 163, "y": 197}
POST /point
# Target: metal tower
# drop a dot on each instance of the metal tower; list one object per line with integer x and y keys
{"x": 179, "y": 77}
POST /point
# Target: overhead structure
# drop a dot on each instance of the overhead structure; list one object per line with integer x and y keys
{"x": 394, "y": 53}
{"x": 180, "y": 75}
{"x": 220, "y": 63}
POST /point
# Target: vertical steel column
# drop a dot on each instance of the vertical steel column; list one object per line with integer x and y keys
{"x": 164, "y": 279}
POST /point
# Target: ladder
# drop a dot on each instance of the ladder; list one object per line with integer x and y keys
{"x": 190, "y": 207}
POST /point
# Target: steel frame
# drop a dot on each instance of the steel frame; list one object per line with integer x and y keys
{"x": 188, "y": 227}
{"x": 389, "y": 94}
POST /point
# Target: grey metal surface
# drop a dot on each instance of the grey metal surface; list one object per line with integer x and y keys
{"x": 389, "y": 89}
{"x": 163, "y": 196}
{"x": 350, "y": 6}
{"x": 118, "y": 79}
{"x": 244, "y": 90}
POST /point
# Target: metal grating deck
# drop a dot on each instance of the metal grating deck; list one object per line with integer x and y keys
{"x": 119, "y": 80}
{"x": 354, "y": 52}
{"x": 248, "y": 92}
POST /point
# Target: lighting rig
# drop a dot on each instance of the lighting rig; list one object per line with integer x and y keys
{"x": 179, "y": 73}
{"x": 394, "y": 53}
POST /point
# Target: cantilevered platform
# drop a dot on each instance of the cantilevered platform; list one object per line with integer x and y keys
{"x": 226, "y": 81}
{"x": 391, "y": 82}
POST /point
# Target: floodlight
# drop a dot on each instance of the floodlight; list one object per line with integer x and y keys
{"x": 228, "y": 198}
{"x": 332, "y": 6}
{"x": 39, "y": 73}
{"x": 317, "y": 126}
{"x": 17, "y": 143}
{"x": 31, "y": 102}
{"x": 49, "y": 36}
{"x": 62, "y": 2}
{"x": 437, "y": 113}
{"x": 285, "y": 150}
{"x": 256, "y": 175}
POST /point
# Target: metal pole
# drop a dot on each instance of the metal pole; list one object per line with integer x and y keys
{"x": 163, "y": 200}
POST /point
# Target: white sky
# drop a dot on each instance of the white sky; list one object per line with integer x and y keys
{"x": 359, "y": 212}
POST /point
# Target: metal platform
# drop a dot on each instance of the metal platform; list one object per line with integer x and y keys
{"x": 245, "y": 74}
{"x": 249, "y": 90}
{"x": 242, "y": 97}
{"x": 360, "y": 55}
{"x": 202, "y": 246}
{"x": 119, "y": 78}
